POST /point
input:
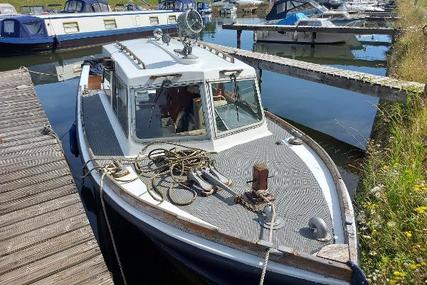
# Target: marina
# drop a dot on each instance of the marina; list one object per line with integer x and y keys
{"x": 202, "y": 159}
{"x": 45, "y": 236}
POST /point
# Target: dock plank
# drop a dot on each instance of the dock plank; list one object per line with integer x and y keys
{"x": 313, "y": 29}
{"x": 386, "y": 88}
{"x": 45, "y": 236}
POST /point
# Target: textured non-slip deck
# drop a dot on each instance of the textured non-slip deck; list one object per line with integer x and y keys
{"x": 299, "y": 196}
{"x": 45, "y": 236}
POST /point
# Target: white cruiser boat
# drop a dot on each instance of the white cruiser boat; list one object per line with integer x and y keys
{"x": 178, "y": 142}
{"x": 307, "y": 37}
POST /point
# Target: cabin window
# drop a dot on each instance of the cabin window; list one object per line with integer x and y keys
{"x": 110, "y": 24}
{"x": 169, "y": 112}
{"x": 9, "y": 27}
{"x": 172, "y": 19}
{"x": 121, "y": 109}
{"x": 236, "y": 104}
{"x": 154, "y": 20}
{"x": 71, "y": 27}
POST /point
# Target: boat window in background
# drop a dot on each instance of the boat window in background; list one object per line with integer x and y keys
{"x": 110, "y": 24}
{"x": 71, "y": 27}
{"x": 154, "y": 20}
{"x": 168, "y": 112}
{"x": 8, "y": 27}
{"x": 236, "y": 104}
{"x": 172, "y": 19}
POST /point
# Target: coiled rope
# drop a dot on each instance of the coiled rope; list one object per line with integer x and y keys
{"x": 176, "y": 163}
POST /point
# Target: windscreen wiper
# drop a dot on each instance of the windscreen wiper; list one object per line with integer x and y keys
{"x": 235, "y": 94}
{"x": 164, "y": 85}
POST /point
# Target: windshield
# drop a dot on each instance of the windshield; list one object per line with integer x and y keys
{"x": 236, "y": 104}
{"x": 169, "y": 111}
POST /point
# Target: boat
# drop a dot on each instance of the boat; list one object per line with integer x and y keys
{"x": 228, "y": 9}
{"x": 294, "y": 37}
{"x": 174, "y": 135}
{"x": 7, "y": 9}
{"x": 204, "y": 8}
{"x": 330, "y": 4}
{"x": 86, "y": 6}
{"x": 26, "y": 33}
{"x": 177, "y": 5}
{"x": 282, "y": 8}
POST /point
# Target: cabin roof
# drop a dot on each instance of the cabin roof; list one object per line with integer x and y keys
{"x": 160, "y": 59}
{"x": 100, "y": 14}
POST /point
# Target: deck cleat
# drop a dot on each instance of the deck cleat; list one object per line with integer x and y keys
{"x": 267, "y": 220}
{"x": 199, "y": 183}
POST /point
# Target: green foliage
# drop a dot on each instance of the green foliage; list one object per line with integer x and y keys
{"x": 392, "y": 198}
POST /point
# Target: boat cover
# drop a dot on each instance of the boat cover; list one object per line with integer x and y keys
{"x": 202, "y": 5}
{"x": 292, "y": 18}
{"x": 85, "y": 6}
{"x": 281, "y": 8}
{"x": 177, "y": 5}
{"x": 25, "y": 26}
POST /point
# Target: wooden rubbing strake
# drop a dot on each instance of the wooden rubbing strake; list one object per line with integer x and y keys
{"x": 45, "y": 236}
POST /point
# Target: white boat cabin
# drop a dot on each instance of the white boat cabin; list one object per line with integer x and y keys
{"x": 153, "y": 93}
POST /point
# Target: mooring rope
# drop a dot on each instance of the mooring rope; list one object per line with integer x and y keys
{"x": 270, "y": 240}
{"x": 110, "y": 231}
{"x": 176, "y": 163}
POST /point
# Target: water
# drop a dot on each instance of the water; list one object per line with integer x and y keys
{"x": 340, "y": 120}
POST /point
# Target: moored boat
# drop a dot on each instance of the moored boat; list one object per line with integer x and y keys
{"x": 176, "y": 138}
{"x": 295, "y": 37}
{"x": 177, "y": 5}
{"x": 204, "y": 8}
{"x": 25, "y": 33}
{"x": 7, "y": 9}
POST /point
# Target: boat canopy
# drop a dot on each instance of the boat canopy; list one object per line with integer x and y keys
{"x": 86, "y": 6}
{"x": 202, "y": 5}
{"x": 177, "y": 5}
{"x": 281, "y": 9}
{"x": 7, "y": 9}
{"x": 25, "y": 26}
{"x": 292, "y": 18}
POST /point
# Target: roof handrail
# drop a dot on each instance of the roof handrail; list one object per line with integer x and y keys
{"x": 216, "y": 52}
{"x": 131, "y": 55}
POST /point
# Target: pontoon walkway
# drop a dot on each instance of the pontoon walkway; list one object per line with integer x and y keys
{"x": 386, "y": 88}
{"x": 45, "y": 236}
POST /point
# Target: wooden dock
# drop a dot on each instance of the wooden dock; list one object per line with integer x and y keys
{"x": 311, "y": 29}
{"x": 386, "y": 88}
{"x": 45, "y": 236}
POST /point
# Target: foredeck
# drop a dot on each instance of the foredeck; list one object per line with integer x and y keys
{"x": 298, "y": 194}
